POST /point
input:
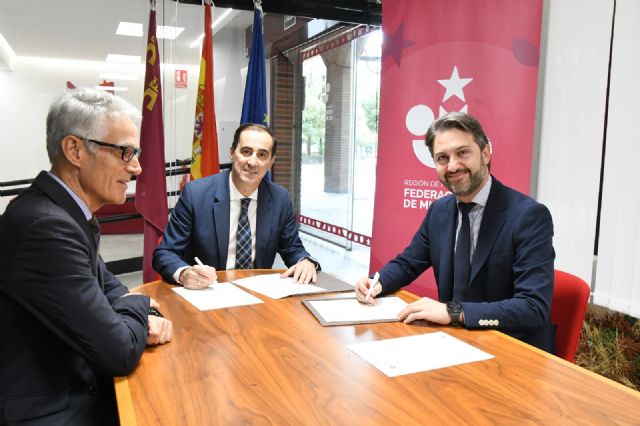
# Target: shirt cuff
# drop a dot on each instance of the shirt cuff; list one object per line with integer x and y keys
{"x": 176, "y": 274}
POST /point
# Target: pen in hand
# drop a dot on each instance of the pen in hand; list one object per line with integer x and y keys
{"x": 376, "y": 277}
{"x": 199, "y": 262}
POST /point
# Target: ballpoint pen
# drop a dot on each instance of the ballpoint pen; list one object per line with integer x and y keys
{"x": 198, "y": 261}
{"x": 376, "y": 277}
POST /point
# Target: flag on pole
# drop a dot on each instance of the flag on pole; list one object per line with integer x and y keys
{"x": 151, "y": 185}
{"x": 254, "y": 105}
{"x": 205, "y": 133}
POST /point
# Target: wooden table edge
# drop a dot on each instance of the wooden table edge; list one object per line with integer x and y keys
{"x": 126, "y": 409}
{"x": 576, "y": 367}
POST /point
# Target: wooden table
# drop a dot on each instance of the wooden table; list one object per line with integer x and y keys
{"x": 273, "y": 363}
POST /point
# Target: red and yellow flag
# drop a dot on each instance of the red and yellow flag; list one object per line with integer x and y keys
{"x": 205, "y": 134}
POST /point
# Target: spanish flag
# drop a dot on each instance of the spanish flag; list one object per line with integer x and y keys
{"x": 205, "y": 133}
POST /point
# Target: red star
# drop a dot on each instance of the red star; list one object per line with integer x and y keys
{"x": 394, "y": 44}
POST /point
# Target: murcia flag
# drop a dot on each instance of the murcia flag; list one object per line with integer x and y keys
{"x": 151, "y": 185}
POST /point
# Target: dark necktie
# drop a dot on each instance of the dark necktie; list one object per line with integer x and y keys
{"x": 243, "y": 239}
{"x": 95, "y": 232}
{"x": 462, "y": 263}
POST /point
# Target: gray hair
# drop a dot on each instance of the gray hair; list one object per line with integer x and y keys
{"x": 85, "y": 113}
{"x": 457, "y": 120}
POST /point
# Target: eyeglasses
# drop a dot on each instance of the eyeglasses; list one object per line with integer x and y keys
{"x": 128, "y": 151}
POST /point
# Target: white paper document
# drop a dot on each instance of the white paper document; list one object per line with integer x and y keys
{"x": 352, "y": 311}
{"x": 217, "y": 296}
{"x": 273, "y": 286}
{"x": 413, "y": 354}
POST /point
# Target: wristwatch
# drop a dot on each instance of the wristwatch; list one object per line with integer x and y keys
{"x": 312, "y": 260}
{"x": 454, "y": 309}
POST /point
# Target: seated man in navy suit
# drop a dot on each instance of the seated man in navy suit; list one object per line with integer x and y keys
{"x": 490, "y": 246}
{"x": 234, "y": 220}
{"x": 68, "y": 325}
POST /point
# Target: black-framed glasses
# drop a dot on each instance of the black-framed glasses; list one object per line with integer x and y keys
{"x": 128, "y": 151}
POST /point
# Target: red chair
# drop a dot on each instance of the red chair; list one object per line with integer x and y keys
{"x": 568, "y": 307}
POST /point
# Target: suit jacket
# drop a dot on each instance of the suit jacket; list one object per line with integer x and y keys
{"x": 65, "y": 329}
{"x": 199, "y": 226}
{"x": 511, "y": 278}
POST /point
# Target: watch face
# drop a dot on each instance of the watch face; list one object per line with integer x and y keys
{"x": 454, "y": 307}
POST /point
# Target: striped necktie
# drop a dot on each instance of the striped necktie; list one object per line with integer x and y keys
{"x": 243, "y": 239}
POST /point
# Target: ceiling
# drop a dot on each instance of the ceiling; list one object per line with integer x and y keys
{"x": 85, "y": 29}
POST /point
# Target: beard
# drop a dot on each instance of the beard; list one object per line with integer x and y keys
{"x": 462, "y": 189}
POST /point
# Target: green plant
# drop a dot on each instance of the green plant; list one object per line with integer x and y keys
{"x": 610, "y": 346}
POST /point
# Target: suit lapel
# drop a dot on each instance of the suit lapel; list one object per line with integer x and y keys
{"x": 493, "y": 219}
{"x": 61, "y": 197}
{"x": 264, "y": 219}
{"x": 221, "y": 211}
{"x": 446, "y": 220}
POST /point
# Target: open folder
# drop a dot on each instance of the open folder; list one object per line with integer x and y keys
{"x": 346, "y": 311}
{"x": 271, "y": 285}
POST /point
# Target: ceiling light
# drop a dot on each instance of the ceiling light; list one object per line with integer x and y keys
{"x": 7, "y": 55}
{"x": 112, "y": 76}
{"x": 132, "y": 29}
{"x": 168, "y": 32}
{"x": 123, "y": 59}
{"x": 197, "y": 41}
{"x": 112, "y": 88}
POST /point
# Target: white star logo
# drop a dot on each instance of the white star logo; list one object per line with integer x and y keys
{"x": 454, "y": 85}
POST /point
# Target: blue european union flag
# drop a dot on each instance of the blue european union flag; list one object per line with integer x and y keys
{"x": 254, "y": 105}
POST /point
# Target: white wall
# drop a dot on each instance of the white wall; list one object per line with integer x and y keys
{"x": 572, "y": 130}
{"x": 572, "y": 125}
{"x": 617, "y": 283}
{"x": 28, "y": 88}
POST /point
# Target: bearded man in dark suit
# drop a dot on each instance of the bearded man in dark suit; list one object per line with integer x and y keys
{"x": 504, "y": 279}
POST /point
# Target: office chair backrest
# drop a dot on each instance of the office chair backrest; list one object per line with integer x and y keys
{"x": 568, "y": 307}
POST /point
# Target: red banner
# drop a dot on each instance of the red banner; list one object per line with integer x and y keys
{"x": 205, "y": 134}
{"x": 151, "y": 185}
{"x": 450, "y": 55}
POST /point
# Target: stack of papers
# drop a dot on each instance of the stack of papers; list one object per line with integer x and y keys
{"x": 350, "y": 311}
{"x": 412, "y": 354}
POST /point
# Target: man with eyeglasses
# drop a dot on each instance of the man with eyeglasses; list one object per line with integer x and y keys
{"x": 68, "y": 325}
{"x": 234, "y": 220}
{"x": 490, "y": 246}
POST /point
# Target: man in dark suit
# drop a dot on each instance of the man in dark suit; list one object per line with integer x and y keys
{"x": 234, "y": 220}
{"x": 68, "y": 325}
{"x": 505, "y": 279}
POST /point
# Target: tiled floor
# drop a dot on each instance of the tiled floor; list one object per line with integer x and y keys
{"x": 348, "y": 265}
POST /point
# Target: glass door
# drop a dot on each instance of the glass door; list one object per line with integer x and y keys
{"x": 339, "y": 138}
